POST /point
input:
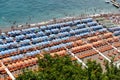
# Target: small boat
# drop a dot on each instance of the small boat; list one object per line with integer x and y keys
{"x": 116, "y": 4}
{"x": 107, "y": 1}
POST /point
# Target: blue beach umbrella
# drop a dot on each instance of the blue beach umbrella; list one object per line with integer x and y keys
{"x": 86, "y": 20}
{"x": 77, "y": 21}
{"x": 40, "y": 34}
{"x": 96, "y": 27}
{"x": 80, "y": 26}
{"x": 117, "y": 33}
{"x": 94, "y": 23}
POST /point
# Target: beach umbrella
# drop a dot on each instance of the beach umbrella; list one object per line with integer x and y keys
{"x": 2, "y": 37}
{"x": 114, "y": 29}
{"x": 18, "y": 65}
{"x": 5, "y": 52}
{"x": 44, "y": 38}
{"x": 86, "y": 20}
{"x": 49, "y": 27}
{"x": 6, "y": 60}
{"x": 10, "y": 39}
{"x": 94, "y": 23}
{"x": 69, "y": 23}
{"x": 56, "y": 40}
{"x": 72, "y": 32}
{"x": 40, "y": 34}
{"x": 53, "y": 26}
{"x": 67, "y": 28}
{"x": 98, "y": 27}
{"x": 1, "y": 41}
{"x": 55, "y": 31}
{"x": 84, "y": 30}
{"x": 77, "y": 21}
{"x": 28, "y": 54}
{"x": 80, "y": 26}
{"x": 4, "y": 34}
{"x": 36, "y": 40}
{"x": 69, "y": 44}
{"x": 46, "y": 49}
{"x": 21, "y": 48}
{"x": 20, "y": 37}
{"x": 25, "y": 41}
{"x": 58, "y": 25}
{"x": 31, "y": 35}
{"x": 14, "y": 32}
{"x": 117, "y": 33}
{"x": 103, "y": 29}
{"x": 43, "y": 27}
{"x": 86, "y": 33}
{"x": 53, "y": 47}
{"x": 10, "y": 67}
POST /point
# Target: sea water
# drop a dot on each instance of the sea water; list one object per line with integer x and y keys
{"x": 33, "y": 11}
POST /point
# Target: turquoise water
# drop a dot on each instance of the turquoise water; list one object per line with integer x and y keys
{"x": 33, "y": 11}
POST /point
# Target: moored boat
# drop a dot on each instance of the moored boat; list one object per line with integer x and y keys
{"x": 107, "y": 1}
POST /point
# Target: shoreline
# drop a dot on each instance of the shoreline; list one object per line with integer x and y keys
{"x": 53, "y": 21}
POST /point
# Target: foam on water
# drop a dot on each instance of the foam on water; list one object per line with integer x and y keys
{"x": 31, "y": 11}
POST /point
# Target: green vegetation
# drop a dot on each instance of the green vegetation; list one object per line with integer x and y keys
{"x": 62, "y": 68}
